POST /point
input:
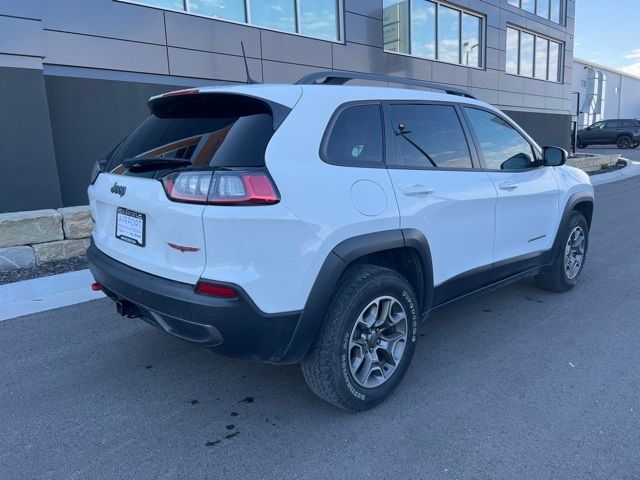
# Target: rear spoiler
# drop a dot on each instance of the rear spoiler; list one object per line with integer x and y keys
{"x": 190, "y": 102}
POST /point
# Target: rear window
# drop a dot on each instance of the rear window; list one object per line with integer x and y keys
{"x": 206, "y": 131}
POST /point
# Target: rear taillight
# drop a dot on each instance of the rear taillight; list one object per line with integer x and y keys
{"x": 215, "y": 290}
{"x": 227, "y": 187}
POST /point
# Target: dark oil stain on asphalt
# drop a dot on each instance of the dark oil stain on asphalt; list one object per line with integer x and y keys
{"x": 532, "y": 299}
{"x": 194, "y": 402}
{"x": 212, "y": 444}
{"x": 148, "y": 367}
{"x": 230, "y": 426}
{"x": 247, "y": 400}
{"x": 231, "y": 435}
{"x": 487, "y": 310}
{"x": 234, "y": 414}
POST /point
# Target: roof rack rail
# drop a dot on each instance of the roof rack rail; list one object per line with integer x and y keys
{"x": 330, "y": 77}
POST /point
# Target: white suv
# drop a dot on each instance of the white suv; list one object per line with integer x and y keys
{"x": 319, "y": 223}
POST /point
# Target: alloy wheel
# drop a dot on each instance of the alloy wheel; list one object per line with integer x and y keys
{"x": 377, "y": 341}
{"x": 574, "y": 253}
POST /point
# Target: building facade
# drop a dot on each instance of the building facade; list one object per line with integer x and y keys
{"x": 75, "y": 74}
{"x": 605, "y": 93}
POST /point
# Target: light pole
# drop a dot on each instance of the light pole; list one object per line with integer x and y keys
{"x": 468, "y": 50}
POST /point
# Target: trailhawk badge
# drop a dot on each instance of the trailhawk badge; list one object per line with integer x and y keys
{"x": 118, "y": 189}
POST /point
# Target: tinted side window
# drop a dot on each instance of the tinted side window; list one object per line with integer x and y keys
{"x": 613, "y": 124}
{"x": 501, "y": 144}
{"x": 425, "y": 132}
{"x": 356, "y": 137}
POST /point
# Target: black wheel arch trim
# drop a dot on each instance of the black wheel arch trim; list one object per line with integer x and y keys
{"x": 334, "y": 266}
{"x": 574, "y": 200}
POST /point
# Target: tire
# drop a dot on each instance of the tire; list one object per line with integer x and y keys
{"x": 624, "y": 142}
{"x": 327, "y": 367}
{"x": 563, "y": 276}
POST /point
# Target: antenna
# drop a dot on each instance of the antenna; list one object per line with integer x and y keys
{"x": 250, "y": 80}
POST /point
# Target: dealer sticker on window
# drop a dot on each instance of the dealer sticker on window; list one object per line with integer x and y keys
{"x": 130, "y": 226}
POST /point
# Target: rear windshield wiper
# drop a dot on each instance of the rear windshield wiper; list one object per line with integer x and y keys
{"x": 144, "y": 163}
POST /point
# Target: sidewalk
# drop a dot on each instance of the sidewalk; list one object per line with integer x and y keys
{"x": 631, "y": 170}
{"x": 46, "y": 293}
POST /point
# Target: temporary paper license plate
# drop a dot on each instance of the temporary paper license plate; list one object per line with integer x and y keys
{"x": 130, "y": 226}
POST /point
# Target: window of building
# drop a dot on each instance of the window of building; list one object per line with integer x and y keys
{"x": 428, "y": 135}
{"x": 312, "y": 18}
{"x": 433, "y": 30}
{"x": 501, "y": 145}
{"x": 549, "y": 9}
{"x": 531, "y": 55}
{"x": 356, "y": 137}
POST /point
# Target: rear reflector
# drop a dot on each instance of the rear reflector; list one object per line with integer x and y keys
{"x": 96, "y": 287}
{"x": 215, "y": 290}
{"x": 222, "y": 187}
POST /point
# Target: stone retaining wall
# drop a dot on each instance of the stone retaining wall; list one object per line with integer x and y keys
{"x": 592, "y": 163}
{"x": 32, "y": 238}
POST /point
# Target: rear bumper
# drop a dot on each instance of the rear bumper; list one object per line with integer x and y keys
{"x": 231, "y": 327}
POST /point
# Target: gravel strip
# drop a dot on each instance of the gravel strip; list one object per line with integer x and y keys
{"x": 44, "y": 270}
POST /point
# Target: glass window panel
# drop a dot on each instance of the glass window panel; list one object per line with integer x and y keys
{"x": 356, "y": 136}
{"x": 502, "y": 146}
{"x": 555, "y": 11}
{"x": 436, "y": 130}
{"x": 542, "y": 8}
{"x": 528, "y": 5}
{"x": 319, "y": 18}
{"x": 515, "y": 3}
{"x": 423, "y": 29}
{"x": 223, "y": 9}
{"x": 278, "y": 14}
{"x": 448, "y": 34}
{"x": 513, "y": 41}
{"x": 554, "y": 61}
{"x": 396, "y": 25}
{"x": 526, "y": 54}
{"x": 542, "y": 47}
{"x": 171, "y": 4}
{"x": 471, "y": 37}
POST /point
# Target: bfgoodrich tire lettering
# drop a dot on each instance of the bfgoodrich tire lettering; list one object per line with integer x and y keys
{"x": 328, "y": 368}
{"x": 560, "y": 278}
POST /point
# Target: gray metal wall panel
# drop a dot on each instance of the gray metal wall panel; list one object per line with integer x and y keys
{"x": 278, "y": 72}
{"x": 370, "y": 8}
{"x": 20, "y": 36}
{"x": 545, "y": 129}
{"x": 106, "y": 53}
{"x": 193, "y": 63}
{"x": 29, "y": 173}
{"x": 105, "y": 18}
{"x": 359, "y": 58}
{"x": 282, "y": 47}
{"x": 208, "y": 35}
{"x": 89, "y": 117}
{"x": 364, "y": 30}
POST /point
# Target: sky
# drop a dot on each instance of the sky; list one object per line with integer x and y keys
{"x": 607, "y": 33}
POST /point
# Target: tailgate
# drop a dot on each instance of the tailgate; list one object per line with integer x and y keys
{"x": 165, "y": 223}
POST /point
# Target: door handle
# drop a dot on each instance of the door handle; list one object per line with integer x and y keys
{"x": 508, "y": 186}
{"x": 417, "y": 190}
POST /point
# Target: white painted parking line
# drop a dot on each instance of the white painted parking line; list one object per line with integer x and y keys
{"x": 45, "y": 293}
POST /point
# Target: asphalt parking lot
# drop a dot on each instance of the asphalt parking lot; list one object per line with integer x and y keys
{"x": 517, "y": 384}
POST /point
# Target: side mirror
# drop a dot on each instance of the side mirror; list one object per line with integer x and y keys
{"x": 554, "y": 156}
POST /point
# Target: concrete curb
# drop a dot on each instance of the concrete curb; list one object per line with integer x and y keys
{"x": 631, "y": 170}
{"x": 45, "y": 293}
